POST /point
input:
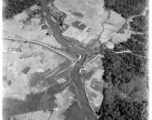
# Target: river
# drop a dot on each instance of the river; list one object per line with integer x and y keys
{"x": 72, "y": 49}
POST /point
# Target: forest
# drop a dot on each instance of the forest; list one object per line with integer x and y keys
{"x": 140, "y": 23}
{"x": 126, "y": 8}
{"x": 14, "y": 7}
{"x": 120, "y": 68}
{"x": 122, "y": 109}
{"x": 137, "y": 47}
{"x": 128, "y": 74}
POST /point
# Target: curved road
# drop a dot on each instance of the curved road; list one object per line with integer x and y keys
{"x": 72, "y": 49}
{"x": 42, "y": 44}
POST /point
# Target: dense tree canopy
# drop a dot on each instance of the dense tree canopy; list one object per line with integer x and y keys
{"x": 122, "y": 109}
{"x": 126, "y": 8}
{"x": 140, "y": 23}
{"x": 121, "y": 67}
{"x": 14, "y": 7}
{"x": 135, "y": 45}
{"x": 125, "y": 71}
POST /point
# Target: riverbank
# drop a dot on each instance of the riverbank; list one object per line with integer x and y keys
{"x": 75, "y": 75}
